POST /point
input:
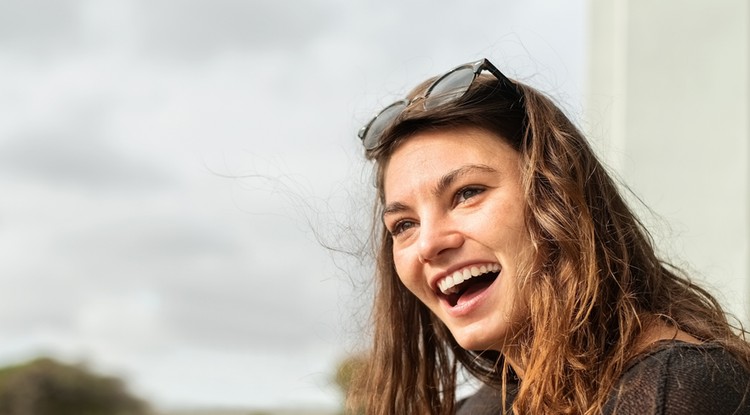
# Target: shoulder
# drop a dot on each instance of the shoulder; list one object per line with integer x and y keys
{"x": 487, "y": 401}
{"x": 681, "y": 378}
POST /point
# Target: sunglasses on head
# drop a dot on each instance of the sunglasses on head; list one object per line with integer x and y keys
{"x": 446, "y": 89}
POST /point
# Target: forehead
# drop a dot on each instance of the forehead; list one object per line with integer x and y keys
{"x": 427, "y": 156}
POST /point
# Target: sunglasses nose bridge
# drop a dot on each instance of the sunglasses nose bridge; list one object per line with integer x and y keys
{"x": 415, "y": 100}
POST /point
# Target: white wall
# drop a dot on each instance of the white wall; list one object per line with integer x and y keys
{"x": 667, "y": 105}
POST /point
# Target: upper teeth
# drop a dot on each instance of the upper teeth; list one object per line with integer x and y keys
{"x": 448, "y": 285}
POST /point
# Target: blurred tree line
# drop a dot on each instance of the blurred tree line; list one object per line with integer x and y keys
{"x": 347, "y": 371}
{"x": 46, "y": 387}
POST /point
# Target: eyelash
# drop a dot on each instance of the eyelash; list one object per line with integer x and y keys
{"x": 476, "y": 190}
{"x": 459, "y": 197}
{"x": 398, "y": 227}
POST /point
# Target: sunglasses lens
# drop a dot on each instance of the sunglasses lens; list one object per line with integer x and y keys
{"x": 380, "y": 123}
{"x": 449, "y": 88}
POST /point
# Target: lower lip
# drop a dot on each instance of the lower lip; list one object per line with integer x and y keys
{"x": 468, "y": 306}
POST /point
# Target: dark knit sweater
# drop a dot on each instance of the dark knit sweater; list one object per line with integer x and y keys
{"x": 674, "y": 378}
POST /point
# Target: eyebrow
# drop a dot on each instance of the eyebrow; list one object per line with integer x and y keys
{"x": 444, "y": 183}
{"x": 447, "y": 180}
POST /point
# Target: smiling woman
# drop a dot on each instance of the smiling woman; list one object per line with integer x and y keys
{"x": 506, "y": 249}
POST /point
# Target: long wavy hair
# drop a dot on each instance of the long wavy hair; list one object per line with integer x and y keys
{"x": 592, "y": 286}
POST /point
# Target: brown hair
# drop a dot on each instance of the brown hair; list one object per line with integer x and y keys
{"x": 594, "y": 284}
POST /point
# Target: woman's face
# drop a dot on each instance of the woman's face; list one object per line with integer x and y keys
{"x": 455, "y": 208}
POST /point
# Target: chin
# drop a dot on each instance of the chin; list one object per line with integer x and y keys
{"x": 477, "y": 341}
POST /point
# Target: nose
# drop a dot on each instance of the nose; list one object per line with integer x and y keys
{"x": 437, "y": 237}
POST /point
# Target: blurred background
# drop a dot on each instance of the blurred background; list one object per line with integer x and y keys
{"x": 184, "y": 204}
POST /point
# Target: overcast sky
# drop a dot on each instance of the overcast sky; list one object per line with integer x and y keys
{"x": 170, "y": 171}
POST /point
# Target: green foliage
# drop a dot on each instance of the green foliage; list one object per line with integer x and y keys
{"x": 46, "y": 387}
{"x": 347, "y": 371}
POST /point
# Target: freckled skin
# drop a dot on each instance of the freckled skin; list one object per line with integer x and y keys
{"x": 476, "y": 217}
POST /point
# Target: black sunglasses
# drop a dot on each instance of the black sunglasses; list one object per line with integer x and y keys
{"x": 448, "y": 88}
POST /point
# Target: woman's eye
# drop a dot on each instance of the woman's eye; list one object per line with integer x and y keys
{"x": 401, "y": 227}
{"x": 467, "y": 193}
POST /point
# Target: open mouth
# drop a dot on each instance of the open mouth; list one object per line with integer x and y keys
{"x": 465, "y": 284}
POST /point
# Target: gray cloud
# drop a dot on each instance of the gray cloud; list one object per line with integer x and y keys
{"x": 78, "y": 153}
{"x": 39, "y": 27}
{"x": 198, "y": 29}
{"x": 258, "y": 311}
{"x": 214, "y": 289}
{"x": 148, "y": 238}
{"x": 36, "y": 299}
{"x": 186, "y": 30}
{"x": 62, "y": 159}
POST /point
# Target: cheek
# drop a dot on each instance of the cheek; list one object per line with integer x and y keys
{"x": 508, "y": 228}
{"x": 407, "y": 270}
{"x": 401, "y": 263}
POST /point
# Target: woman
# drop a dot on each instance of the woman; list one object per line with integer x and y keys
{"x": 506, "y": 249}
